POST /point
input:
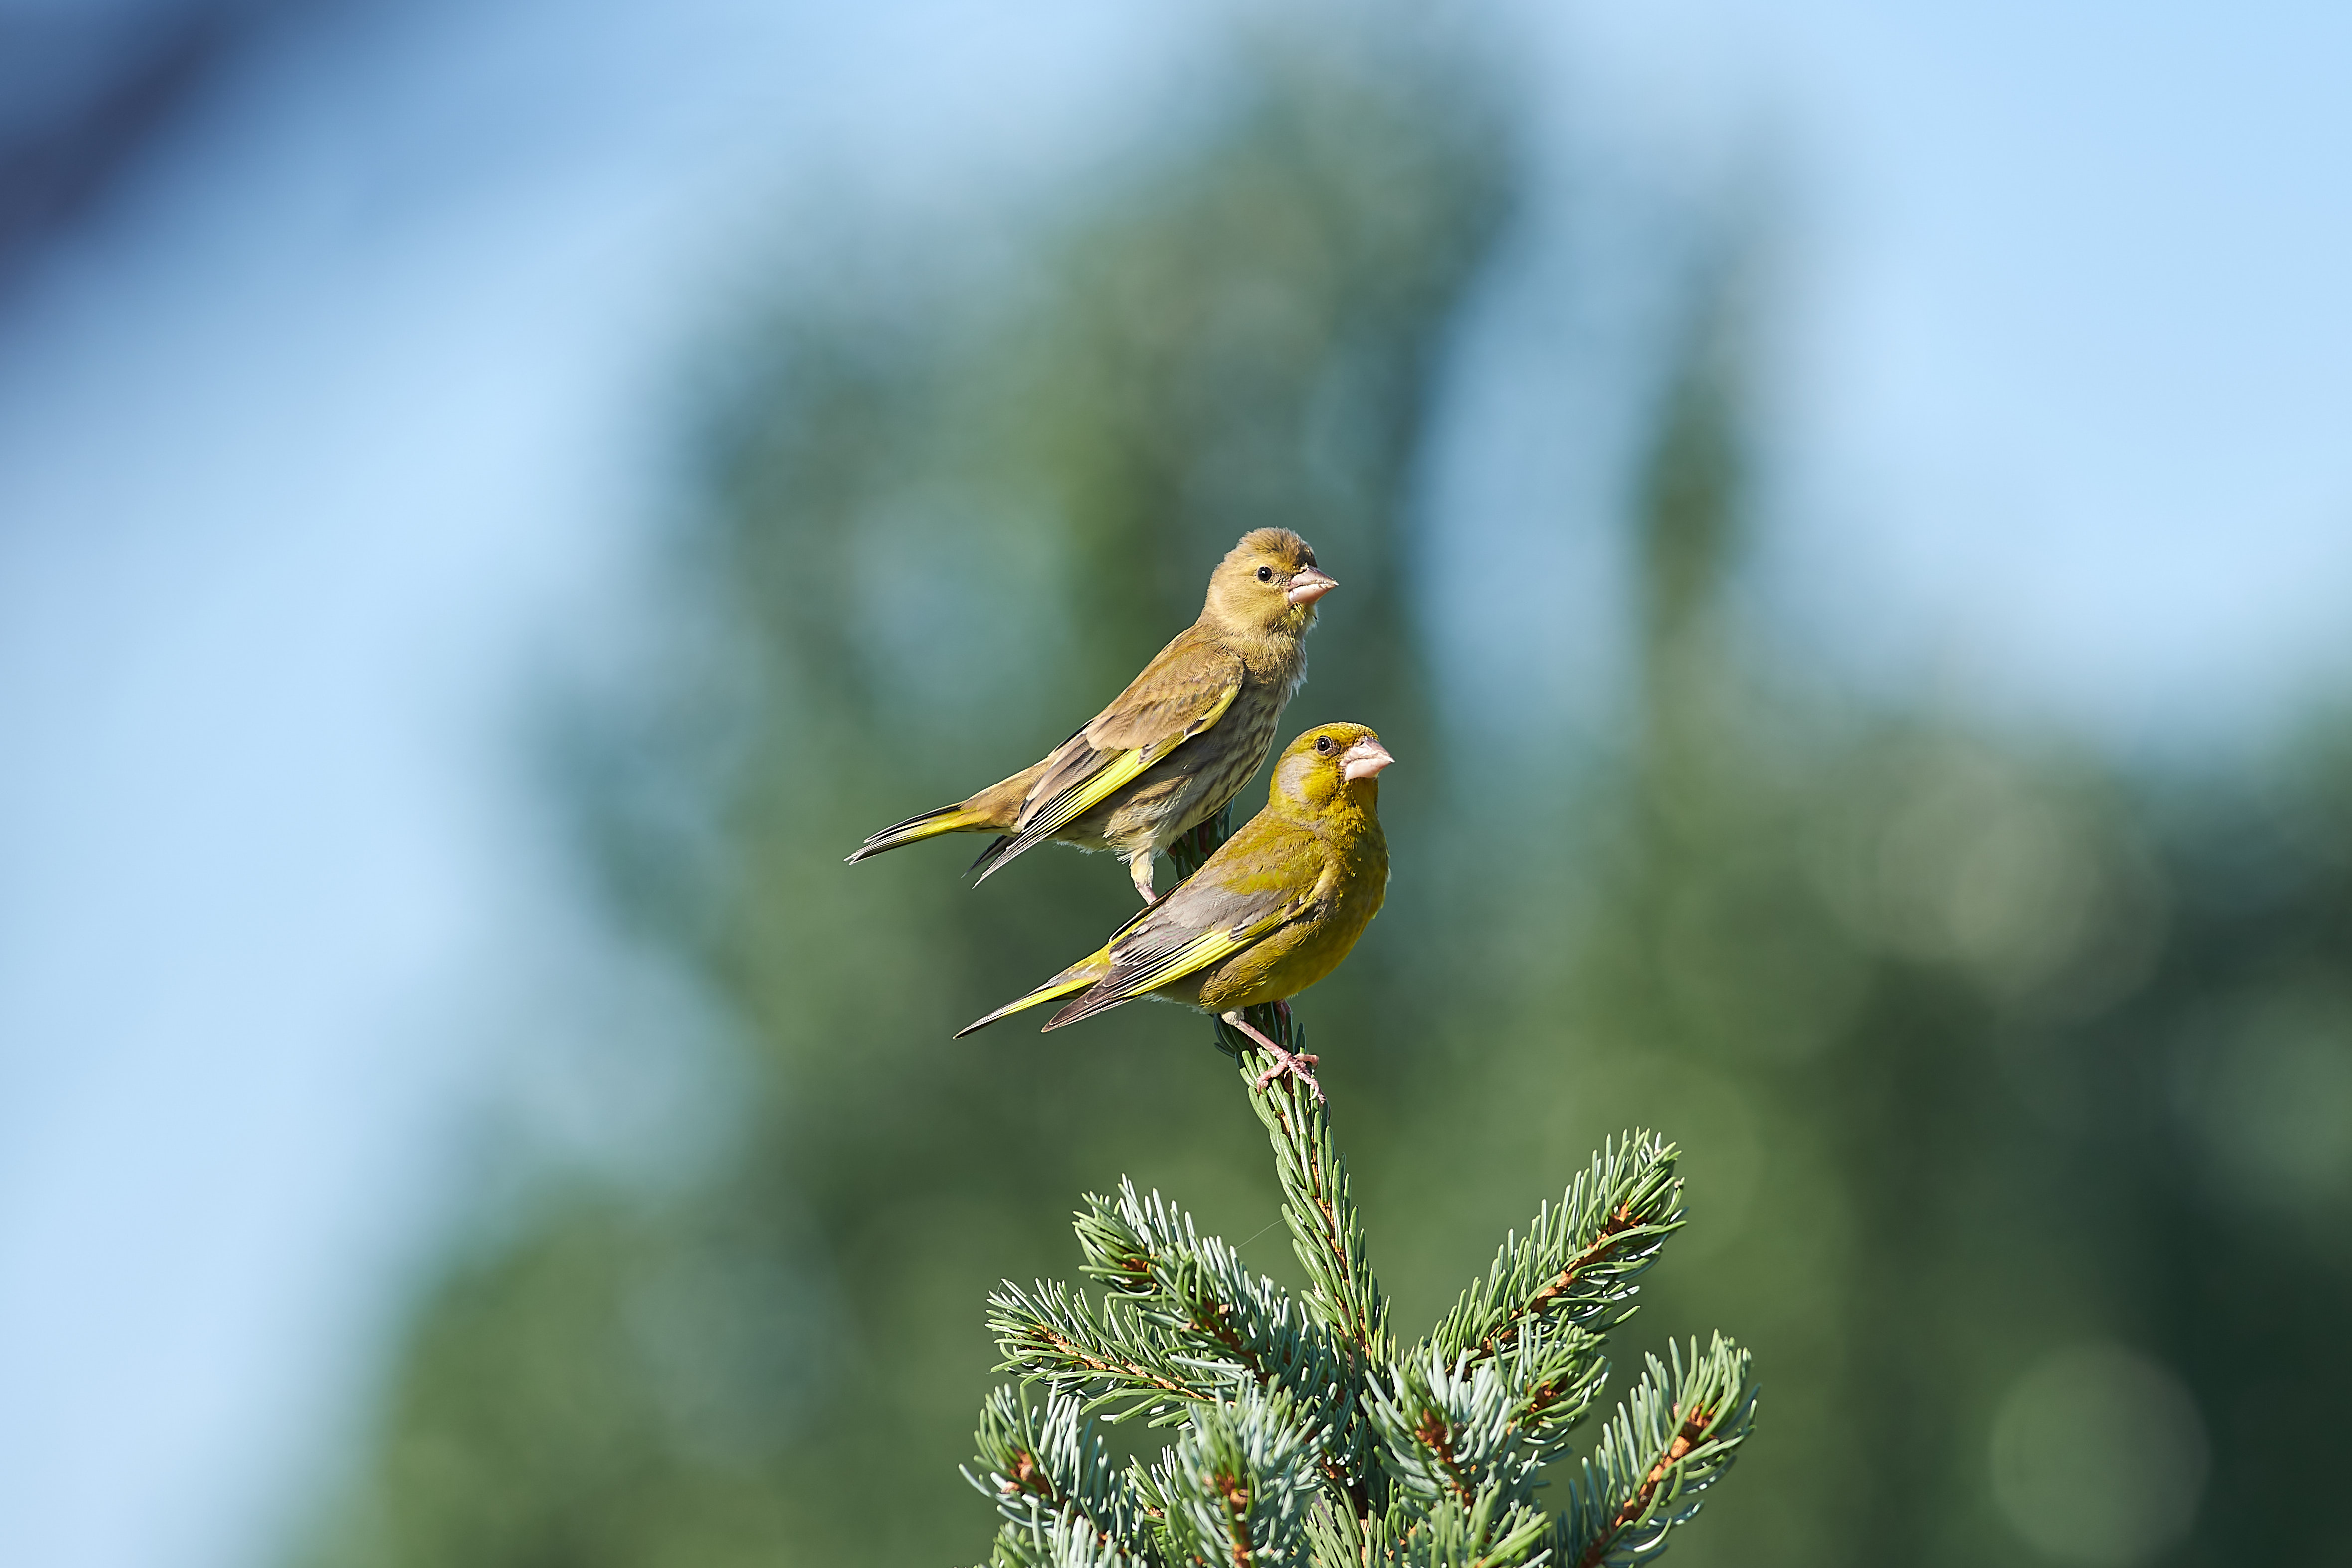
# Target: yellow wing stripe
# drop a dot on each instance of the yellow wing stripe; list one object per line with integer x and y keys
{"x": 1087, "y": 793}
{"x": 1190, "y": 956}
{"x": 1092, "y": 791}
{"x": 1097, "y": 787}
{"x": 1084, "y": 796}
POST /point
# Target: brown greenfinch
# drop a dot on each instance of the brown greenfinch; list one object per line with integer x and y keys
{"x": 1177, "y": 745}
{"x": 1274, "y": 910}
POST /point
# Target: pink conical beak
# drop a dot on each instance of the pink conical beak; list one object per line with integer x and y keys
{"x": 1364, "y": 760}
{"x": 1308, "y": 585}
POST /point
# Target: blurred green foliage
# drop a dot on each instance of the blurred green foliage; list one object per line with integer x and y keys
{"x": 1980, "y": 1051}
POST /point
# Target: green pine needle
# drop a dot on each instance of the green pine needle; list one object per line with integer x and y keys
{"x": 1672, "y": 1439}
{"x": 1303, "y": 1436}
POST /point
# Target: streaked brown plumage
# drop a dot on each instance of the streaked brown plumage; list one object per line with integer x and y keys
{"x": 1177, "y": 745}
{"x": 1274, "y": 910}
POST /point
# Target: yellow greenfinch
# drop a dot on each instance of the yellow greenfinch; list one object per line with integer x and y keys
{"x": 1270, "y": 913}
{"x": 1177, "y": 745}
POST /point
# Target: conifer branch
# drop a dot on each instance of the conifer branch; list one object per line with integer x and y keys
{"x": 1580, "y": 1258}
{"x": 1238, "y": 1486}
{"x": 1305, "y": 1437}
{"x": 1555, "y": 1372}
{"x": 1299, "y": 1445}
{"x": 1317, "y": 1208}
{"x": 1672, "y": 1439}
{"x": 1063, "y": 1540}
{"x": 1453, "y": 1536}
{"x": 1213, "y": 1311}
{"x": 1328, "y": 1237}
{"x": 1450, "y": 1432}
{"x": 1041, "y": 1466}
{"x": 1051, "y": 1334}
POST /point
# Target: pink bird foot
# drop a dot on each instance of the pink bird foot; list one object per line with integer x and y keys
{"x": 1284, "y": 1061}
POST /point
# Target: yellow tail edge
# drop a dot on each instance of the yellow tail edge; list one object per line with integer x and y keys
{"x": 930, "y": 825}
{"x": 1087, "y": 971}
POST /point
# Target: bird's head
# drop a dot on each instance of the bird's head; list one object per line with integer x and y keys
{"x": 1327, "y": 764}
{"x": 1267, "y": 586}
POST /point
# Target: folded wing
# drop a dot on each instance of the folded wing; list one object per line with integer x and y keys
{"x": 1180, "y": 693}
{"x": 1222, "y": 910}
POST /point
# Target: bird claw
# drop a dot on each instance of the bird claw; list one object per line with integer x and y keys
{"x": 1295, "y": 1065}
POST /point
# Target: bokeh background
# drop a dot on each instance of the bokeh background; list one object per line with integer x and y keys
{"x": 1844, "y": 517}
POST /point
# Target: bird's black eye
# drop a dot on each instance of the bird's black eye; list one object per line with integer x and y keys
{"x": 1323, "y": 745}
{"x": 1265, "y": 573}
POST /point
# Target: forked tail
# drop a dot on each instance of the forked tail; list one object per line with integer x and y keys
{"x": 1000, "y": 849}
{"x": 930, "y": 825}
{"x": 1077, "y": 977}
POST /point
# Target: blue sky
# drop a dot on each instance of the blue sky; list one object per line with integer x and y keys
{"x": 2054, "y": 366}
{"x": 332, "y": 439}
